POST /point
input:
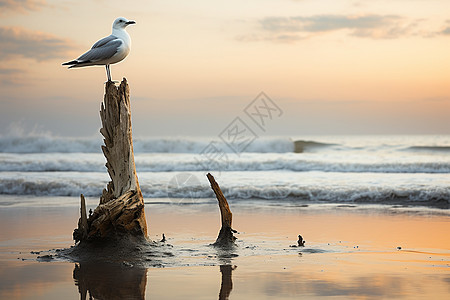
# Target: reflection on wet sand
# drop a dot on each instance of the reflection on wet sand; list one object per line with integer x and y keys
{"x": 227, "y": 281}
{"x": 109, "y": 281}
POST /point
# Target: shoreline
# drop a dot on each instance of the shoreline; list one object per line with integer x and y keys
{"x": 351, "y": 252}
{"x": 417, "y": 207}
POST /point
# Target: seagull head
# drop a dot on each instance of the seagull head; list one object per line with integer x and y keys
{"x": 121, "y": 23}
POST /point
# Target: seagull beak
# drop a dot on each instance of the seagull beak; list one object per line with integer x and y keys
{"x": 130, "y": 22}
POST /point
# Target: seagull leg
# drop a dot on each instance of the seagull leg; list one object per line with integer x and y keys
{"x": 108, "y": 72}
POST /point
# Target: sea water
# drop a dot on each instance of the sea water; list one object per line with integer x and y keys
{"x": 387, "y": 170}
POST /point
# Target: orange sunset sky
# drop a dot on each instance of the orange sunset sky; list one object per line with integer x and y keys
{"x": 332, "y": 66}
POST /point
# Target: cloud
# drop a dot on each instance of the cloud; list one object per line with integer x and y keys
{"x": 21, "y": 6}
{"x": 446, "y": 30}
{"x": 25, "y": 43}
{"x": 296, "y": 28}
{"x": 282, "y": 38}
{"x": 323, "y": 23}
{"x": 11, "y": 76}
{"x": 9, "y": 71}
{"x": 373, "y": 26}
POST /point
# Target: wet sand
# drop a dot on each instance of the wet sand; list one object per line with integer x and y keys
{"x": 350, "y": 253}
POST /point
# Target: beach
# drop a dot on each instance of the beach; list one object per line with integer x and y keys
{"x": 351, "y": 252}
{"x": 374, "y": 212}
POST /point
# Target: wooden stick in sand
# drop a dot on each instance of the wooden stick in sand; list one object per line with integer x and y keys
{"x": 226, "y": 237}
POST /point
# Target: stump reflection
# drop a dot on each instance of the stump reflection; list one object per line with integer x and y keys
{"x": 109, "y": 281}
{"x": 227, "y": 281}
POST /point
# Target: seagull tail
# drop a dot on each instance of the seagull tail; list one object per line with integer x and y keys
{"x": 72, "y": 62}
{"x": 76, "y": 63}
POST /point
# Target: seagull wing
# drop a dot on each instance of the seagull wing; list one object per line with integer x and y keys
{"x": 104, "y": 41}
{"x": 101, "y": 50}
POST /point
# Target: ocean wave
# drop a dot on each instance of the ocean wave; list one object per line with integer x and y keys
{"x": 282, "y": 193}
{"x": 48, "y": 144}
{"x": 21, "y": 186}
{"x": 52, "y": 144}
{"x": 429, "y": 148}
{"x": 90, "y": 162}
{"x": 301, "y": 146}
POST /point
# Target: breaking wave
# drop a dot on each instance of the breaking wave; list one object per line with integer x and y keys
{"x": 90, "y": 162}
{"x": 52, "y": 144}
{"x": 386, "y": 170}
{"x": 281, "y": 192}
{"x": 429, "y": 148}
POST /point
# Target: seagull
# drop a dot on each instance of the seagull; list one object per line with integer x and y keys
{"x": 109, "y": 50}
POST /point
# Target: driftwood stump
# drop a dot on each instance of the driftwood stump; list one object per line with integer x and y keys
{"x": 121, "y": 209}
{"x": 226, "y": 237}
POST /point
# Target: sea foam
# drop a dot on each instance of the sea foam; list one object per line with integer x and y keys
{"x": 173, "y": 162}
{"x": 281, "y": 186}
{"x": 53, "y": 144}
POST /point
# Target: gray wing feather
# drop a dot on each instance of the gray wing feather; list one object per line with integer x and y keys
{"x": 103, "y": 49}
{"x": 104, "y": 41}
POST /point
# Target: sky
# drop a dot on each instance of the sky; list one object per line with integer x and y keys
{"x": 330, "y": 66}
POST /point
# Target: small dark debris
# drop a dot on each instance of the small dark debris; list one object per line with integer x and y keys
{"x": 127, "y": 264}
{"x": 45, "y": 257}
{"x": 229, "y": 255}
{"x": 301, "y": 242}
